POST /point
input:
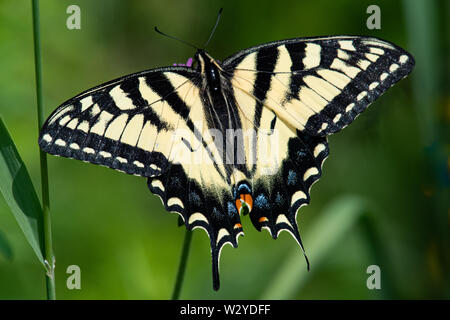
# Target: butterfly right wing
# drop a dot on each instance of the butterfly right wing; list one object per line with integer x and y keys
{"x": 294, "y": 93}
{"x": 316, "y": 85}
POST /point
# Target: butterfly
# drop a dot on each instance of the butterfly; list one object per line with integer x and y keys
{"x": 217, "y": 140}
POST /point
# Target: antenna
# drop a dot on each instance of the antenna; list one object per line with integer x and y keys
{"x": 214, "y": 29}
{"x": 174, "y": 38}
{"x": 190, "y": 44}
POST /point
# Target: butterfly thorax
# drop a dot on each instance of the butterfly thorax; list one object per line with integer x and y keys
{"x": 210, "y": 69}
{"x": 214, "y": 88}
{"x": 219, "y": 107}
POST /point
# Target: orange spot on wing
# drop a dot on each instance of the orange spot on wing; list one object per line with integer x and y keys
{"x": 248, "y": 200}
{"x": 237, "y": 225}
{"x": 244, "y": 198}
{"x": 238, "y": 205}
{"x": 263, "y": 219}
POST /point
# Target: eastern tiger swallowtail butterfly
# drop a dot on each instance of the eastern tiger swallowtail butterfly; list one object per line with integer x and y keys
{"x": 219, "y": 139}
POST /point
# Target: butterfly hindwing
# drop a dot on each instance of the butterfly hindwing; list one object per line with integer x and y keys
{"x": 288, "y": 162}
{"x": 206, "y": 206}
{"x": 317, "y": 85}
{"x": 278, "y": 197}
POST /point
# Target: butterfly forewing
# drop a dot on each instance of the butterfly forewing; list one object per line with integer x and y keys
{"x": 129, "y": 124}
{"x": 317, "y": 85}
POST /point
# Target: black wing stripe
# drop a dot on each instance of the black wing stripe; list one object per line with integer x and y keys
{"x": 327, "y": 55}
{"x": 265, "y": 60}
{"x": 297, "y": 54}
{"x": 163, "y": 87}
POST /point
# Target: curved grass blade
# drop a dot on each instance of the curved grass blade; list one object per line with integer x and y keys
{"x": 331, "y": 226}
{"x": 19, "y": 193}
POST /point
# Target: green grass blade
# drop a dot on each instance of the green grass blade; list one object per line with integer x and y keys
{"x": 5, "y": 247}
{"x": 19, "y": 193}
{"x": 182, "y": 266}
{"x": 46, "y": 218}
{"x": 331, "y": 226}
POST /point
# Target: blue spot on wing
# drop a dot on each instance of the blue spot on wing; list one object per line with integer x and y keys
{"x": 292, "y": 178}
{"x": 231, "y": 209}
{"x": 194, "y": 198}
{"x": 244, "y": 188}
{"x": 175, "y": 182}
{"x": 279, "y": 199}
{"x": 261, "y": 202}
{"x": 216, "y": 213}
{"x": 301, "y": 154}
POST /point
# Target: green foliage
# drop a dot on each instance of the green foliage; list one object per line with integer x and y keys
{"x": 5, "y": 247}
{"x": 18, "y": 191}
{"x": 336, "y": 220}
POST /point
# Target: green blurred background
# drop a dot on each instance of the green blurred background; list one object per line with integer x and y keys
{"x": 394, "y": 157}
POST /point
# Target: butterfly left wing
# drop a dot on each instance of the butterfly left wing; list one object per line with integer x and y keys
{"x": 152, "y": 124}
{"x": 317, "y": 85}
{"x": 128, "y": 124}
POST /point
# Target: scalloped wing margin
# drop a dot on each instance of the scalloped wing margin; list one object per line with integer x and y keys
{"x": 278, "y": 198}
{"x": 210, "y": 208}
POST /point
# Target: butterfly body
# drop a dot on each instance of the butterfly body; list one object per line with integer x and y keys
{"x": 220, "y": 139}
{"x": 211, "y": 69}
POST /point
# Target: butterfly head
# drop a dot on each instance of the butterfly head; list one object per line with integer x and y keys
{"x": 203, "y": 61}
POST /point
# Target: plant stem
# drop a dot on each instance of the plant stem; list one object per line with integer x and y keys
{"x": 47, "y": 230}
{"x": 182, "y": 266}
